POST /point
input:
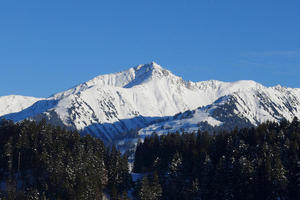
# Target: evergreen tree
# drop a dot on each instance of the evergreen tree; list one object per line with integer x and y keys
{"x": 279, "y": 179}
{"x": 123, "y": 196}
{"x": 32, "y": 194}
{"x": 175, "y": 179}
{"x": 156, "y": 187}
{"x": 297, "y": 194}
{"x": 144, "y": 192}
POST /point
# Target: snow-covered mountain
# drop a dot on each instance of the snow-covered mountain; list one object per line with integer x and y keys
{"x": 240, "y": 109}
{"x": 15, "y": 103}
{"x": 147, "y": 97}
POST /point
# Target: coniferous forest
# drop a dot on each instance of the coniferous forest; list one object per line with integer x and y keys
{"x": 256, "y": 163}
{"x": 39, "y": 161}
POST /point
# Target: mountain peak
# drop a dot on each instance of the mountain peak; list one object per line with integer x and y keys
{"x": 146, "y": 72}
{"x": 126, "y": 79}
{"x": 147, "y": 67}
{"x": 155, "y": 65}
{"x": 150, "y": 70}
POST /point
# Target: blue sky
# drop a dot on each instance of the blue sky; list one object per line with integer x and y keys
{"x": 50, "y": 46}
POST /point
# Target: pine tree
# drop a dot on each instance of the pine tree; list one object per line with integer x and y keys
{"x": 149, "y": 188}
{"x": 205, "y": 175}
{"x": 220, "y": 180}
{"x": 125, "y": 177}
{"x": 156, "y": 187}
{"x": 33, "y": 194}
{"x": 263, "y": 180}
{"x": 297, "y": 195}
{"x": 8, "y": 152}
{"x": 243, "y": 173}
{"x": 11, "y": 187}
{"x": 113, "y": 167}
{"x": 138, "y": 157}
{"x": 279, "y": 179}
{"x": 123, "y": 196}
{"x": 145, "y": 190}
{"x": 11, "y": 184}
{"x": 175, "y": 178}
{"x": 176, "y": 166}
{"x": 194, "y": 190}
{"x": 114, "y": 193}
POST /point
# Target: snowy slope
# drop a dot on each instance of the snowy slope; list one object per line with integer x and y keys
{"x": 189, "y": 121}
{"x": 15, "y": 103}
{"x": 243, "y": 108}
{"x": 110, "y": 105}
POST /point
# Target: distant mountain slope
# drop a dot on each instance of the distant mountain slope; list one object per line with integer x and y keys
{"x": 240, "y": 109}
{"x": 148, "y": 96}
{"x": 15, "y": 103}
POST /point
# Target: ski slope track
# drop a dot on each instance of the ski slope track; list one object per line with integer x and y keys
{"x": 149, "y": 98}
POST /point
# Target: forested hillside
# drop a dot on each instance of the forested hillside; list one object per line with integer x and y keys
{"x": 256, "y": 163}
{"x": 38, "y": 161}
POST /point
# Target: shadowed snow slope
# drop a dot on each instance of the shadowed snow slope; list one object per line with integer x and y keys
{"x": 149, "y": 96}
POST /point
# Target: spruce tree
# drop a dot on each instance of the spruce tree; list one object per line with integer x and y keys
{"x": 279, "y": 179}
{"x": 175, "y": 178}
{"x": 145, "y": 192}
{"x": 297, "y": 195}
{"x": 123, "y": 196}
{"x": 156, "y": 187}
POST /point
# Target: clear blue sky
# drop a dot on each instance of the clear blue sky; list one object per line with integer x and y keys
{"x": 50, "y": 46}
